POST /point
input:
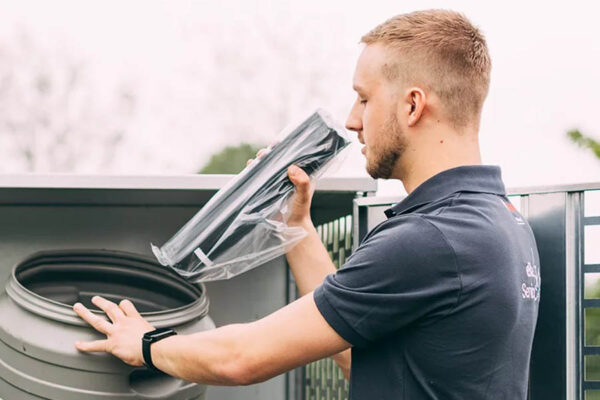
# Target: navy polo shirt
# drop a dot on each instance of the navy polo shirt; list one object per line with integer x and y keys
{"x": 440, "y": 301}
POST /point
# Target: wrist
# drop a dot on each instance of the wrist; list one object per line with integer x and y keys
{"x": 305, "y": 223}
{"x": 149, "y": 342}
{"x": 162, "y": 355}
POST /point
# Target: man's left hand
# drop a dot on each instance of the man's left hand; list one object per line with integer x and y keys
{"x": 123, "y": 335}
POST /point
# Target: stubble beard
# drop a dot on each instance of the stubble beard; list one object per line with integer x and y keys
{"x": 393, "y": 145}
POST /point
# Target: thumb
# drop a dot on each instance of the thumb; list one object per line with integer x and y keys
{"x": 302, "y": 182}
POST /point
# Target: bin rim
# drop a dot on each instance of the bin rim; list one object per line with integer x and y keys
{"x": 58, "y": 311}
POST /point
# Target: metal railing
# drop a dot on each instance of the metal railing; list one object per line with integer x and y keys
{"x": 565, "y": 362}
{"x": 566, "y": 355}
{"x": 324, "y": 379}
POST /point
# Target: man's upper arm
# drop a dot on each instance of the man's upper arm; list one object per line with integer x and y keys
{"x": 290, "y": 337}
{"x": 403, "y": 273}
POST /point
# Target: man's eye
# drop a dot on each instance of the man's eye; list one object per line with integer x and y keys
{"x": 363, "y": 102}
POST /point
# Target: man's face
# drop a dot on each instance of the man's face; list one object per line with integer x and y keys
{"x": 373, "y": 115}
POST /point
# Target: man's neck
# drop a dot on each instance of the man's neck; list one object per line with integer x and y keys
{"x": 416, "y": 178}
{"x": 419, "y": 166}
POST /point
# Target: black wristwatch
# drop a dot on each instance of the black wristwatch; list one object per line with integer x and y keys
{"x": 153, "y": 337}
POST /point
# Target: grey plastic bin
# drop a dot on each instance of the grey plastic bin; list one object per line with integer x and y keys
{"x": 38, "y": 359}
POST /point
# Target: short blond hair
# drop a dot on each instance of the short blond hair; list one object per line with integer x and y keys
{"x": 444, "y": 51}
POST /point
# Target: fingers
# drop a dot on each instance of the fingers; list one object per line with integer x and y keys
{"x": 261, "y": 153}
{"x": 111, "y": 309}
{"x": 129, "y": 309}
{"x": 94, "y": 346}
{"x": 97, "y": 322}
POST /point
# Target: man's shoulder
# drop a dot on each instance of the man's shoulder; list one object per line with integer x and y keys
{"x": 413, "y": 225}
{"x": 415, "y": 234}
{"x": 398, "y": 225}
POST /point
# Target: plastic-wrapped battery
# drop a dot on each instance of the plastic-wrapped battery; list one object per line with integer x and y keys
{"x": 244, "y": 223}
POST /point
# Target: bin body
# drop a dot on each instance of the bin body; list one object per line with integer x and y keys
{"x": 38, "y": 359}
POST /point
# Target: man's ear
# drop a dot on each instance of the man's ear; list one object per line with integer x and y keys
{"x": 416, "y": 101}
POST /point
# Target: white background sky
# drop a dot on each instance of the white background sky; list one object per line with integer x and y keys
{"x": 545, "y": 79}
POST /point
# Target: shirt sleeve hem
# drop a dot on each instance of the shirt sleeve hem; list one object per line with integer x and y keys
{"x": 334, "y": 319}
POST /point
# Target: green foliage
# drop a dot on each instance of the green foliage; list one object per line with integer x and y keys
{"x": 584, "y": 141}
{"x": 592, "y": 326}
{"x": 230, "y": 160}
{"x": 592, "y": 330}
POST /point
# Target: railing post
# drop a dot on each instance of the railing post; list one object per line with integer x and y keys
{"x": 574, "y": 294}
{"x": 547, "y": 217}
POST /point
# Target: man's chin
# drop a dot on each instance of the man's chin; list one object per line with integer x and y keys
{"x": 376, "y": 174}
{"x": 379, "y": 171}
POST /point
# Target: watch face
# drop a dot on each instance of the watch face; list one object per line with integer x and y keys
{"x": 159, "y": 333}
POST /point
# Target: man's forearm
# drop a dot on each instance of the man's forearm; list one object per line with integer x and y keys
{"x": 243, "y": 354}
{"x": 211, "y": 357}
{"x": 309, "y": 261}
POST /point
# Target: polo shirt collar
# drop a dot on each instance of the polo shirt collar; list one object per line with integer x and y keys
{"x": 469, "y": 178}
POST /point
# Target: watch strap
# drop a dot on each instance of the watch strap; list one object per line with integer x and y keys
{"x": 152, "y": 337}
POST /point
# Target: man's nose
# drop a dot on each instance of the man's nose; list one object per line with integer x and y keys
{"x": 354, "y": 122}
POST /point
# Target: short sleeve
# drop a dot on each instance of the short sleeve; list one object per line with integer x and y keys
{"x": 404, "y": 273}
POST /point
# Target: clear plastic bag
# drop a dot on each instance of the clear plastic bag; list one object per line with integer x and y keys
{"x": 244, "y": 223}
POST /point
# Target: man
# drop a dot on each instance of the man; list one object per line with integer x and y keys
{"x": 440, "y": 300}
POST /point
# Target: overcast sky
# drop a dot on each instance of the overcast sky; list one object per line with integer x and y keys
{"x": 545, "y": 79}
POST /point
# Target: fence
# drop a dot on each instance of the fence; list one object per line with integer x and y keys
{"x": 324, "y": 379}
{"x": 565, "y": 361}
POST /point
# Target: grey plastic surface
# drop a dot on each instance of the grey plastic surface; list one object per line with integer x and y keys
{"x": 70, "y": 276}
{"x": 25, "y": 230}
{"x": 37, "y": 354}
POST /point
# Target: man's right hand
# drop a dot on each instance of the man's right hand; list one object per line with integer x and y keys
{"x": 300, "y": 214}
{"x": 309, "y": 260}
{"x": 302, "y": 198}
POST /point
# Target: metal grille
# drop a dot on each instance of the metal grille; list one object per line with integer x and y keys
{"x": 589, "y": 261}
{"x": 324, "y": 380}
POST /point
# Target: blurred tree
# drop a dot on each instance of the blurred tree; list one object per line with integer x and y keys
{"x": 584, "y": 141}
{"x": 52, "y": 117}
{"x": 257, "y": 76}
{"x": 230, "y": 160}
